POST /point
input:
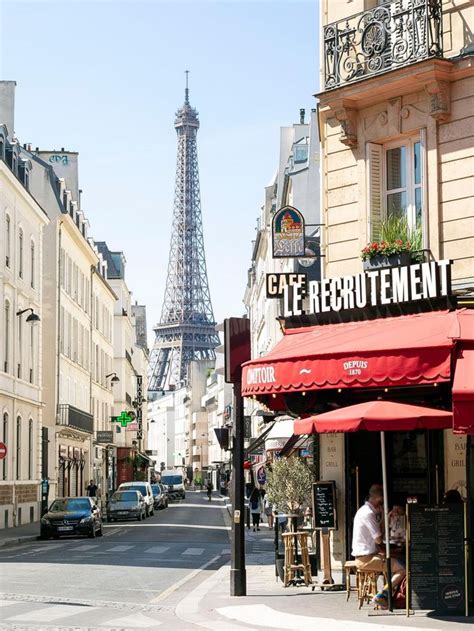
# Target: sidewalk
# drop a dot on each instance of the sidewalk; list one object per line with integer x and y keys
{"x": 19, "y": 534}
{"x": 270, "y": 605}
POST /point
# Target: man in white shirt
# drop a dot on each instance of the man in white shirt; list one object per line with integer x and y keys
{"x": 367, "y": 539}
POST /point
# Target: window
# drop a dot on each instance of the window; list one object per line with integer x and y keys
{"x": 7, "y": 240}
{"x": 32, "y": 263}
{"x": 30, "y": 449}
{"x": 18, "y": 448}
{"x": 6, "y": 342}
{"x": 395, "y": 183}
{"x": 20, "y": 253}
{"x": 6, "y": 441}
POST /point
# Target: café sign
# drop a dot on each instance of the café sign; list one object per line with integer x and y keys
{"x": 372, "y": 288}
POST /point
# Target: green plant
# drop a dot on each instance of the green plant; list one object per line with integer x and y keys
{"x": 396, "y": 237}
{"x": 289, "y": 484}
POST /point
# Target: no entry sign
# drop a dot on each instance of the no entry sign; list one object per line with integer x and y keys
{"x": 3, "y": 451}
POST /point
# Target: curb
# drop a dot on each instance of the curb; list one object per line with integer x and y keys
{"x": 16, "y": 540}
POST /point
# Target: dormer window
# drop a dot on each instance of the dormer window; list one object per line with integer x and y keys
{"x": 300, "y": 153}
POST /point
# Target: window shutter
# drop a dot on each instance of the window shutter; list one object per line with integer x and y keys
{"x": 374, "y": 190}
{"x": 424, "y": 187}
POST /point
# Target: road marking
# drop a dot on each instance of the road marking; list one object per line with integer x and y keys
{"x": 120, "y": 549}
{"x": 183, "y": 581}
{"x": 157, "y": 549}
{"x": 48, "y": 614}
{"x": 85, "y": 547}
{"x": 173, "y": 526}
{"x": 194, "y": 551}
{"x": 135, "y": 621}
{"x": 196, "y": 506}
{"x": 226, "y": 551}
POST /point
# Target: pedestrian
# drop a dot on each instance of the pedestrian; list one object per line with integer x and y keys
{"x": 452, "y": 497}
{"x": 255, "y": 508}
{"x": 268, "y": 509}
{"x": 92, "y": 489}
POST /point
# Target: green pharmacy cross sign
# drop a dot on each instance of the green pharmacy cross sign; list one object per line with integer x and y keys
{"x": 124, "y": 419}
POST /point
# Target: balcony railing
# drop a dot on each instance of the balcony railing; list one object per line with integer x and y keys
{"x": 73, "y": 417}
{"x": 390, "y": 36}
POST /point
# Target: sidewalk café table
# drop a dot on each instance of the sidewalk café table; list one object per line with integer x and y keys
{"x": 377, "y": 416}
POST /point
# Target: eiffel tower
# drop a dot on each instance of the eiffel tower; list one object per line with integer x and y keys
{"x": 186, "y": 330}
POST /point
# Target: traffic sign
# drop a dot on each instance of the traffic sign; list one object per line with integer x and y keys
{"x": 261, "y": 476}
{"x": 3, "y": 451}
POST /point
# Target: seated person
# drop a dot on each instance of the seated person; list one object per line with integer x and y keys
{"x": 396, "y": 520}
{"x": 452, "y": 497}
{"x": 367, "y": 540}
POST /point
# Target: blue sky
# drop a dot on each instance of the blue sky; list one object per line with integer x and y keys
{"x": 105, "y": 79}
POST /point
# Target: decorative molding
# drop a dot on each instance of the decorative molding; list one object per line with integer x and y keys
{"x": 440, "y": 100}
{"x": 393, "y": 115}
{"x": 348, "y": 119}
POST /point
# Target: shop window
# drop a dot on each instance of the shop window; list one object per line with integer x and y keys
{"x": 30, "y": 449}
{"x": 5, "y": 440}
{"x": 18, "y": 448}
{"x": 396, "y": 183}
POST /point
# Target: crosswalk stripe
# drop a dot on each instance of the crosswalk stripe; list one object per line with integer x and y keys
{"x": 48, "y": 614}
{"x": 135, "y": 621}
{"x": 194, "y": 551}
{"x": 120, "y": 549}
{"x": 85, "y": 547}
{"x": 157, "y": 549}
{"x": 225, "y": 551}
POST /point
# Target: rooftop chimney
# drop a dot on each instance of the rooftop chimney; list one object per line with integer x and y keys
{"x": 302, "y": 113}
{"x": 7, "y": 105}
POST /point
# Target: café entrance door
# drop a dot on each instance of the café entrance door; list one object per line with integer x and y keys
{"x": 414, "y": 469}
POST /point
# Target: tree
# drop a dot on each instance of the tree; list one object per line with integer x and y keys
{"x": 289, "y": 484}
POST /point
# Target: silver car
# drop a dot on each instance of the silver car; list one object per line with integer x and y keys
{"x": 126, "y": 505}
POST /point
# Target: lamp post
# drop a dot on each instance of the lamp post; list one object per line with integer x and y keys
{"x": 114, "y": 379}
{"x": 33, "y": 317}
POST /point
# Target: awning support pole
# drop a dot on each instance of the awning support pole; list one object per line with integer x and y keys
{"x": 387, "y": 525}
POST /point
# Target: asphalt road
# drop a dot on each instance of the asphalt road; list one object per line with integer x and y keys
{"x": 125, "y": 579}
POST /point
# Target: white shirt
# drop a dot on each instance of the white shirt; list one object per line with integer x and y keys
{"x": 366, "y": 531}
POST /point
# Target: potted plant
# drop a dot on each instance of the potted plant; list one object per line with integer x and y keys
{"x": 398, "y": 245}
{"x": 289, "y": 483}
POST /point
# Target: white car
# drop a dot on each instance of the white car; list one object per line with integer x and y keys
{"x": 145, "y": 489}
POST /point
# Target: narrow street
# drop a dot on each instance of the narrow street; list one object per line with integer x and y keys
{"x": 122, "y": 580}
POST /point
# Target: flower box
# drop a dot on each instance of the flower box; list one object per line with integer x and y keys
{"x": 391, "y": 260}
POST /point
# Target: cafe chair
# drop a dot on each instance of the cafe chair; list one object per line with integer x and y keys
{"x": 350, "y": 568}
{"x": 367, "y": 584}
{"x": 294, "y": 566}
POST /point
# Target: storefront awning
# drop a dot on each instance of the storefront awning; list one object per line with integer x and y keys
{"x": 375, "y": 416}
{"x": 399, "y": 351}
{"x": 463, "y": 390}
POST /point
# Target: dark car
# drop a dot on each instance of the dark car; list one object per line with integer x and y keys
{"x": 126, "y": 505}
{"x": 160, "y": 496}
{"x": 72, "y": 516}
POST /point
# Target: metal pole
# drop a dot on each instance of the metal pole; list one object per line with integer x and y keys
{"x": 238, "y": 580}
{"x": 387, "y": 526}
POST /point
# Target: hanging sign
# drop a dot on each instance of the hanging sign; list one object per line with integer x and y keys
{"x": 372, "y": 288}
{"x": 261, "y": 476}
{"x": 288, "y": 233}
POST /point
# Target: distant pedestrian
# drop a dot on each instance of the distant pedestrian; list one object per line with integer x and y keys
{"x": 268, "y": 510}
{"x": 255, "y": 502}
{"x": 92, "y": 489}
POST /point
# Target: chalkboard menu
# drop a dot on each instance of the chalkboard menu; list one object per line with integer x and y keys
{"x": 436, "y": 558}
{"x": 324, "y": 505}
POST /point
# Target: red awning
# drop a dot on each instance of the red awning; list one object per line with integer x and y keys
{"x": 400, "y": 351}
{"x": 375, "y": 416}
{"x": 463, "y": 390}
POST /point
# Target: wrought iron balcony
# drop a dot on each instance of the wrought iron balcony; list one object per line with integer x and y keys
{"x": 387, "y": 37}
{"x": 73, "y": 417}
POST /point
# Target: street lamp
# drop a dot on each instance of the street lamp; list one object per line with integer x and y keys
{"x": 33, "y": 317}
{"x": 114, "y": 379}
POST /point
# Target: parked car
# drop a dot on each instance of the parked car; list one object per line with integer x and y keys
{"x": 160, "y": 495}
{"x": 145, "y": 489}
{"x": 126, "y": 505}
{"x": 71, "y": 516}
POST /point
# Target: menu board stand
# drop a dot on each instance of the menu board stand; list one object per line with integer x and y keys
{"x": 324, "y": 513}
{"x": 436, "y": 559}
